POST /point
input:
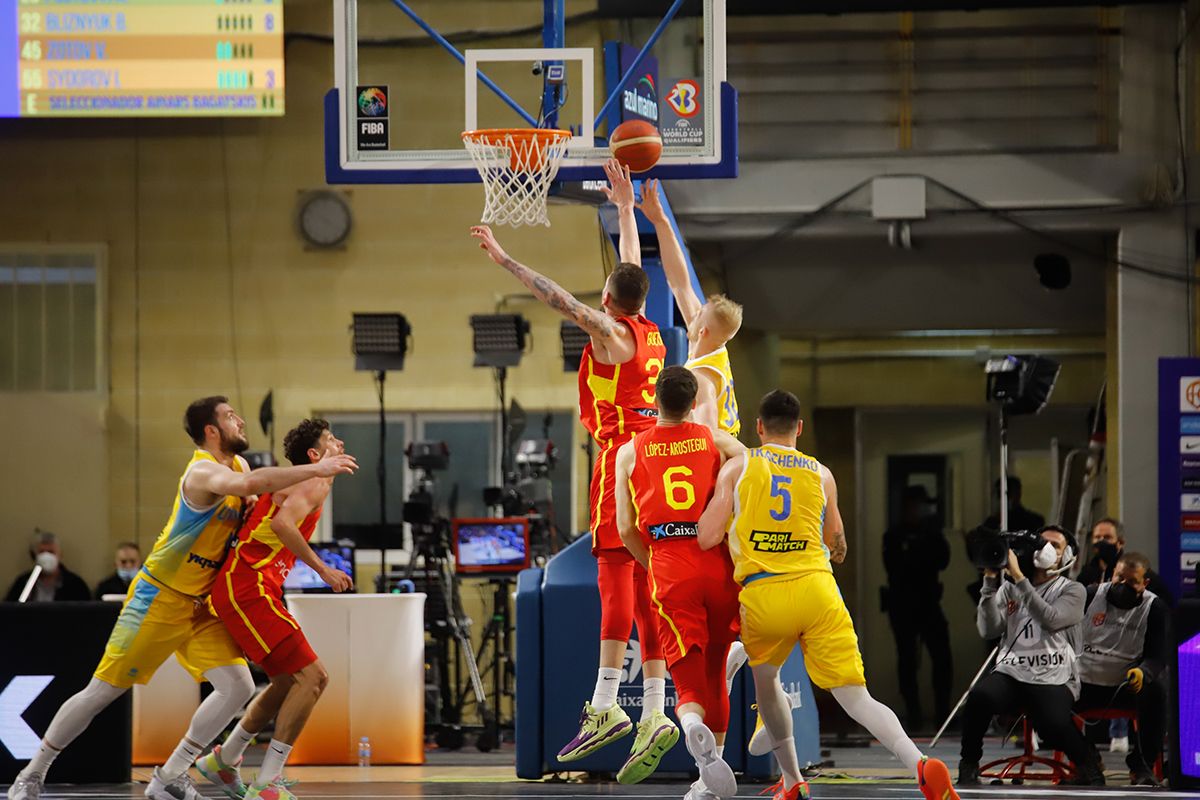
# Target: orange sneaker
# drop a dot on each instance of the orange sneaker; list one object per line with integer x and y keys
{"x": 798, "y": 792}
{"x": 934, "y": 780}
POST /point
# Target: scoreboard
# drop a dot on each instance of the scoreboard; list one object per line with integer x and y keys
{"x": 141, "y": 58}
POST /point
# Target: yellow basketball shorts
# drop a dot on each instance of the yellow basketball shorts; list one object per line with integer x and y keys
{"x": 780, "y": 611}
{"x": 155, "y": 622}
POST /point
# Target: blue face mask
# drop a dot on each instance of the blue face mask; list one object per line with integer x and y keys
{"x": 126, "y": 574}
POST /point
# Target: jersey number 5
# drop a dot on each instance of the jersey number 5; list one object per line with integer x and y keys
{"x": 780, "y": 487}
{"x": 674, "y": 488}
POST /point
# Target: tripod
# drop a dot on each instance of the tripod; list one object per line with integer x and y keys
{"x": 498, "y": 636}
{"x": 454, "y": 624}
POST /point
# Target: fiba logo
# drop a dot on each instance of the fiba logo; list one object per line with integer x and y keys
{"x": 372, "y": 102}
{"x": 1189, "y": 394}
{"x": 684, "y": 98}
{"x": 632, "y": 667}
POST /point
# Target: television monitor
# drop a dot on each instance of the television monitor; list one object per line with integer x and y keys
{"x": 302, "y": 578}
{"x": 491, "y": 546}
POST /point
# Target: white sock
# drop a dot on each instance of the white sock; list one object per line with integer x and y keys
{"x": 41, "y": 761}
{"x": 654, "y": 696}
{"x": 272, "y": 764}
{"x": 690, "y": 720}
{"x": 184, "y": 756}
{"x": 720, "y": 751}
{"x": 235, "y": 745}
{"x": 880, "y": 721}
{"x": 789, "y": 762}
{"x": 608, "y": 680}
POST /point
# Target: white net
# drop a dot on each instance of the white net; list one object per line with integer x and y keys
{"x": 517, "y": 167}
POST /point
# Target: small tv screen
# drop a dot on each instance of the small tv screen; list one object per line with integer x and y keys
{"x": 302, "y": 578}
{"x": 491, "y": 545}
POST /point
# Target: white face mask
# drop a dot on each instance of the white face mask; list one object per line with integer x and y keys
{"x": 47, "y": 561}
{"x": 1046, "y": 558}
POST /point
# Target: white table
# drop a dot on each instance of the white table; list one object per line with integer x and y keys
{"x": 373, "y": 646}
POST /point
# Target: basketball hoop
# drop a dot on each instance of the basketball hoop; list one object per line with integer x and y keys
{"x": 517, "y": 166}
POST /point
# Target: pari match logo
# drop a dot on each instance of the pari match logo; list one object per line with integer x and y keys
{"x": 642, "y": 98}
{"x": 372, "y": 102}
{"x": 684, "y": 98}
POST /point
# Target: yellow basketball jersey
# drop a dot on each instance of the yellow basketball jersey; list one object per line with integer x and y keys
{"x": 717, "y": 364}
{"x": 192, "y": 545}
{"x": 778, "y": 515}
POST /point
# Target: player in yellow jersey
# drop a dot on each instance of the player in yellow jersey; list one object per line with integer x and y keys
{"x": 710, "y": 326}
{"x": 779, "y": 508}
{"x": 164, "y": 611}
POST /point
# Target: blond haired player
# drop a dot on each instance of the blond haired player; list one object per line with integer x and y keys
{"x": 163, "y": 610}
{"x": 780, "y": 509}
{"x": 710, "y": 325}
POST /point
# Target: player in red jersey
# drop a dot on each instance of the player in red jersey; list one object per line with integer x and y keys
{"x": 248, "y": 597}
{"x": 616, "y": 400}
{"x": 667, "y": 475}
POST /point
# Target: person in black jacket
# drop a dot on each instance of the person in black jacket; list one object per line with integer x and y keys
{"x": 1108, "y": 543}
{"x": 914, "y": 554}
{"x": 1126, "y": 647}
{"x": 56, "y": 581}
{"x": 127, "y": 560}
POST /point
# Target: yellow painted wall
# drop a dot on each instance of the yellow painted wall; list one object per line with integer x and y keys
{"x": 211, "y": 291}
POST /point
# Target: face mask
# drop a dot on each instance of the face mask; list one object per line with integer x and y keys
{"x": 47, "y": 561}
{"x": 126, "y": 573}
{"x": 1107, "y": 551}
{"x": 1123, "y": 596}
{"x": 1046, "y": 558}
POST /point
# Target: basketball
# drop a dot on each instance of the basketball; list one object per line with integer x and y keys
{"x": 636, "y": 144}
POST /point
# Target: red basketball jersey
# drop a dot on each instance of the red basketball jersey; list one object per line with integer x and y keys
{"x": 674, "y": 474}
{"x": 260, "y": 549}
{"x": 617, "y": 400}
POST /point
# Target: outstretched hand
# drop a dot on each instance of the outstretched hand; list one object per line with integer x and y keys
{"x": 487, "y": 241}
{"x": 340, "y": 464}
{"x": 620, "y": 189}
{"x": 651, "y": 206}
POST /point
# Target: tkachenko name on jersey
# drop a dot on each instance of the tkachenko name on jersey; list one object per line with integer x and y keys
{"x": 658, "y": 449}
{"x": 777, "y": 542}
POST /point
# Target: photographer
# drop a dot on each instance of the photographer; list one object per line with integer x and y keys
{"x": 1038, "y": 617}
{"x": 1108, "y": 545}
{"x": 1125, "y": 652}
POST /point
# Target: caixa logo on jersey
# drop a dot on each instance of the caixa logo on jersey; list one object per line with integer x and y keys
{"x": 15, "y": 734}
{"x": 673, "y": 530}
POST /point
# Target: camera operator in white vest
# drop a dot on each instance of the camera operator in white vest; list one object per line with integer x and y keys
{"x": 1124, "y": 659}
{"x": 1036, "y": 613}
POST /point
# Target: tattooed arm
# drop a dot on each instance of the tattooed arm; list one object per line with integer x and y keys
{"x": 614, "y": 339}
{"x": 835, "y": 532}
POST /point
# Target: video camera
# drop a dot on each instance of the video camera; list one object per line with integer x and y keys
{"x": 989, "y": 548}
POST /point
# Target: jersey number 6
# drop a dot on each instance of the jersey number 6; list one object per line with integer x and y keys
{"x": 673, "y": 488}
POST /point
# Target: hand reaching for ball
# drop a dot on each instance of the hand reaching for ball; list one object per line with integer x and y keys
{"x": 487, "y": 241}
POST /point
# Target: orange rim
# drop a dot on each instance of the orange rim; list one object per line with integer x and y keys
{"x": 529, "y": 161}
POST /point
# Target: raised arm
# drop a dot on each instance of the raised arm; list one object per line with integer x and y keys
{"x": 620, "y": 194}
{"x": 674, "y": 264}
{"x": 707, "y": 411}
{"x": 631, "y": 537}
{"x": 834, "y": 532}
{"x": 715, "y": 519}
{"x": 209, "y": 479}
{"x": 597, "y": 324}
{"x": 729, "y": 446}
{"x": 286, "y": 525}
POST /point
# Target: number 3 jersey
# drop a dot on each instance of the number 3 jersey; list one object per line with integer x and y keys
{"x": 778, "y": 515}
{"x": 617, "y": 400}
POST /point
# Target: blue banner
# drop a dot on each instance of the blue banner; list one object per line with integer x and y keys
{"x": 1179, "y": 472}
{"x": 639, "y": 94}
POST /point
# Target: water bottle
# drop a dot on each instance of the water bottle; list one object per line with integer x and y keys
{"x": 364, "y": 752}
